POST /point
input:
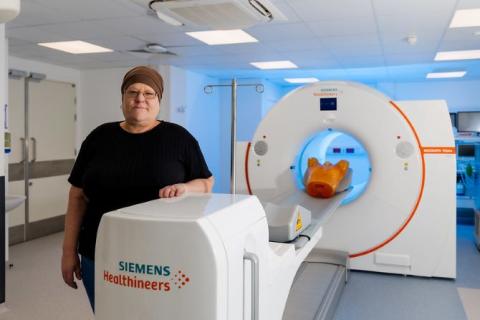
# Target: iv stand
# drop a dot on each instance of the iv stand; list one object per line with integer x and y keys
{"x": 233, "y": 123}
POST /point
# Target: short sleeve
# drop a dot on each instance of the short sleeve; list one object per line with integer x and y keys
{"x": 196, "y": 166}
{"x": 84, "y": 156}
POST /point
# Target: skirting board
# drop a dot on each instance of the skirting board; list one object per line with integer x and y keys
{"x": 37, "y": 229}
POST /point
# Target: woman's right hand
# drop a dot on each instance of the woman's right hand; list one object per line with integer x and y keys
{"x": 71, "y": 267}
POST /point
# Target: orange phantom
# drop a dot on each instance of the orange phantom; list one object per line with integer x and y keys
{"x": 321, "y": 181}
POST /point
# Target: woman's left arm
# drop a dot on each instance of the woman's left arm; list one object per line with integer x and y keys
{"x": 195, "y": 185}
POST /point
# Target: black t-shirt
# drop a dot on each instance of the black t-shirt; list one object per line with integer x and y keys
{"x": 116, "y": 169}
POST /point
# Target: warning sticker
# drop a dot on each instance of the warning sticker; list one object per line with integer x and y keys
{"x": 299, "y": 222}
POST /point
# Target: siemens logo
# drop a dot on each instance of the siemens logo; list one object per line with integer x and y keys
{"x": 142, "y": 268}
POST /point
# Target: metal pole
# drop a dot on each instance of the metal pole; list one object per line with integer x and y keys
{"x": 26, "y": 176}
{"x": 233, "y": 125}
{"x": 233, "y": 136}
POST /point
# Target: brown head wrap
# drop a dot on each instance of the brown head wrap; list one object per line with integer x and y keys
{"x": 146, "y": 75}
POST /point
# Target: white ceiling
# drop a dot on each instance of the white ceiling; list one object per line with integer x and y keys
{"x": 345, "y": 39}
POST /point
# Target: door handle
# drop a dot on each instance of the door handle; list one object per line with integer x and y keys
{"x": 22, "y": 142}
{"x": 34, "y": 149}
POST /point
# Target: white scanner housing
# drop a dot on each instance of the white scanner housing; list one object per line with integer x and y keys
{"x": 219, "y": 242}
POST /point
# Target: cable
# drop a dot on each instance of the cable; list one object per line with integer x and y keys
{"x": 305, "y": 236}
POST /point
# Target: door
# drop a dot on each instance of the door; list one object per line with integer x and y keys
{"x": 49, "y": 139}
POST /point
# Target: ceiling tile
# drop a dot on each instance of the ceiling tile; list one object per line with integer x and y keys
{"x": 459, "y": 45}
{"x": 141, "y": 25}
{"x": 314, "y": 10}
{"x": 114, "y": 56}
{"x": 94, "y": 9}
{"x": 361, "y": 62}
{"x": 310, "y": 55}
{"x": 356, "y": 45}
{"x": 256, "y": 47}
{"x": 14, "y": 42}
{"x": 170, "y": 39}
{"x": 119, "y": 43}
{"x": 343, "y": 27}
{"x": 404, "y": 58}
{"x": 468, "y": 4}
{"x": 34, "y": 34}
{"x": 462, "y": 34}
{"x": 397, "y": 42}
{"x": 196, "y": 51}
{"x": 278, "y": 32}
{"x": 296, "y": 45}
{"x": 79, "y": 30}
{"x": 405, "y": 8}
{"x": 417, "y": 22}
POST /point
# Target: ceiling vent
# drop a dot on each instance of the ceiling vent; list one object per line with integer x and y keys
{"x": 216, "y": 14}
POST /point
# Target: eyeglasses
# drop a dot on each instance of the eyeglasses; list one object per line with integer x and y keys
{"x": 147, "y": 94}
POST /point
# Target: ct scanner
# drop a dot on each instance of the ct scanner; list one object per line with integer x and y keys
{"x": 209, "y": 256}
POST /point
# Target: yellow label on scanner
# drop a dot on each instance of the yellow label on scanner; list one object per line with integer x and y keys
{"x": 299, "y": 222}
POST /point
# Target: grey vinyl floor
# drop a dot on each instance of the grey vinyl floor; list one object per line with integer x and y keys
{"x": 34, "y": 285}
{"x": 370, "y": 296}
{"x": 35, "y": 290}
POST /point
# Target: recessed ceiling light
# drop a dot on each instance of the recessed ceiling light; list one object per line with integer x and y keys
{"x": 450, "y": 74}
{"x": 466, "y": 18}
{"x": 75, "y": 47}
{"x": 301, "y": 80}
{"x": 457, "y": 55}
{"x": 218, "y": 37}
{"x": 285, "y": 64}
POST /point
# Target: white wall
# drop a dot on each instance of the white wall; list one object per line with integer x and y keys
{"x": 101, "y": 98}
{"x": 271, "y": 95}
{"x": 461, "y": 95}
{"x": 200, "y": 114}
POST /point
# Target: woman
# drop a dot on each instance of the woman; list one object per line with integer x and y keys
{"x": 125, "y": 163}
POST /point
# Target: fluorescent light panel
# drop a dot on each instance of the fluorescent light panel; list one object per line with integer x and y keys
{"x": 284, "y": 64}
{"x": 219, "y": 37}
{"x": 466, "y": 18}
{"x": 451, "y": 74}
{"x": 75, "y": 47}
{"x": 301, "y": 80}
{"x": 457, "y": 55}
